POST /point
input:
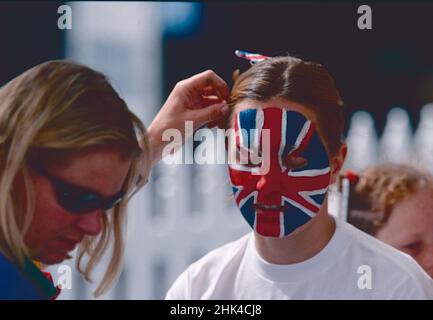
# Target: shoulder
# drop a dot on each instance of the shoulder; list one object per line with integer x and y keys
{"x": 394, "y": 271}
{"x": 372, "y": 249}
{"x": 209, "y": 269}
{"x": 13, "y": 284}
{"x": 223, "y": 256}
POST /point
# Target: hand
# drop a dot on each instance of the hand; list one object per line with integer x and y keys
{"x": 201, "y": 99}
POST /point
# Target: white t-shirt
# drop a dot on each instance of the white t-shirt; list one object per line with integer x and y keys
{"x": 353, "y": 265}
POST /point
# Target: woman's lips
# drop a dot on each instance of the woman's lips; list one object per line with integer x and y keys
{"x": 270, "y": 207}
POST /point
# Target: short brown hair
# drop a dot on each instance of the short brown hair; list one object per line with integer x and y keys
{"x": 304, "y": 82}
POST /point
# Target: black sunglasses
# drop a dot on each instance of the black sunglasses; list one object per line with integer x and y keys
{"x": 77, "y": 199}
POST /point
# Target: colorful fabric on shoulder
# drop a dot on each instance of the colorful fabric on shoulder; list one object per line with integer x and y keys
{"x": 27, "y": 283}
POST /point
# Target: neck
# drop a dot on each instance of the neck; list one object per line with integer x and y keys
{"x": 301, "y": 245}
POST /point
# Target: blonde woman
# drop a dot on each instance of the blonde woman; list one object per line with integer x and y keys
{"x": 71, "y": 156}
{"x": 394, "y": 203}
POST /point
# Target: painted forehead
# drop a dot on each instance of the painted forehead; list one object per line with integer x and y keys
{"x": 274, "y": 111}
{"x": 290, "y": 132}
{"x": 276, "y": 119}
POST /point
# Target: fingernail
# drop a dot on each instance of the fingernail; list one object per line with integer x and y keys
{"x": 225, "y": 110}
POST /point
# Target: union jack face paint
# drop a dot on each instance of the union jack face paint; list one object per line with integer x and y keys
{"x": 292, "y": 190}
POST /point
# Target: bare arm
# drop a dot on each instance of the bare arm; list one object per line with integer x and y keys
{"x": 200, "y": 98}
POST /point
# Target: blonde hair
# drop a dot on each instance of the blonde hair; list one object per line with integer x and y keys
{"x": 383, "y": 186}
{"x": 51, "y": 112}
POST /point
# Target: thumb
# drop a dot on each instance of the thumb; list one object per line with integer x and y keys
{"x": 210, "y": 113}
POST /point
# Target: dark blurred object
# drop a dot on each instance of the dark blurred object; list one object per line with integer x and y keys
{"x": 389, "y": 66}
{"x": 29, "y": 35}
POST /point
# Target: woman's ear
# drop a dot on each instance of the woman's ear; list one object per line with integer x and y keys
{"x": 337, "y": 162}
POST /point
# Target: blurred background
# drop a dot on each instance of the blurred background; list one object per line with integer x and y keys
{"x": 385, "y": 76}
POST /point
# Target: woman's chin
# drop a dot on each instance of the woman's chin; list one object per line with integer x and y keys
{"x": 50, "y": 258}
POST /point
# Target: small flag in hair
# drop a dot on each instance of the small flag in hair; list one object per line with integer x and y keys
{"x": 252, "y": 57}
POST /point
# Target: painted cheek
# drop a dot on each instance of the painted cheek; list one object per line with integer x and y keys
{"x": 243, "y": 178}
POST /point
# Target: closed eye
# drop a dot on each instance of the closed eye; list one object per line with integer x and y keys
{"x": 295, "y": 162}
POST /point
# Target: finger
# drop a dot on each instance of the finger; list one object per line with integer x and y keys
{"x": 221, "y": 123}
{"x": 209, "y": 79}
{"x": 212, "y": 124}
{"x": 210, "y": 113}
{"x": 209, "y": 91}
{"x": 209, "y": 100}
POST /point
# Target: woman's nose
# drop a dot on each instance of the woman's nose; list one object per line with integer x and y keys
{"x": 261, "y": 182}
{"x": 91, "y": 223}
{"x": 269, "y": 187}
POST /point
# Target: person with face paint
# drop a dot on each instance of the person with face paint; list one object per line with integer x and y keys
{"x": 287, "y": 113}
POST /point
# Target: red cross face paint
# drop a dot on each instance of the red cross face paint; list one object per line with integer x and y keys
{"x": 292, "y": 189}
